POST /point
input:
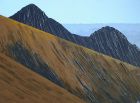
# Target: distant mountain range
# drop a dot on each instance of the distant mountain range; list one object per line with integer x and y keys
{"x": 106, "y": 40}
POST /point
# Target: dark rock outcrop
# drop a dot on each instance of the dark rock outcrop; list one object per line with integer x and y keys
{"x": 107, "y": 40}
{"x": 111, "y": 42}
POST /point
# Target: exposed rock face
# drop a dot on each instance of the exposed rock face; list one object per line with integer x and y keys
{"x": 112, "y": 42}
{"x": 107, "y": 40}
{"x": 34, "y": 16}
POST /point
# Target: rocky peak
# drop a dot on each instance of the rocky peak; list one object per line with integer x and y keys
{"x": 109, "y": 32}
{"x": 31, "y": 6}
{"x": 106, "y": 40}
{"x": 35, "y": 17}
{"x": 112, "y": 42}
{"x": 32, "y": 10}
{"x": 30, "y": 14}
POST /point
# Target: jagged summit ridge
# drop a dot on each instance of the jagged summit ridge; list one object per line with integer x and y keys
{"x": 106, "y": 40}
{"x": 113, "y": 42}
{"x": 109, "y": 31}
{"x": 32, "y": 6}
{"x": 34, "y": 16}
{"x": 31, "y": 10}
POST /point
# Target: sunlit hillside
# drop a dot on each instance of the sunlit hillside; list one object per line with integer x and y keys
{"x": 89, "y": 75}
{"x": 20, "y": 85}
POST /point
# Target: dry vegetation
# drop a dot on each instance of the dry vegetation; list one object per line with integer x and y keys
{"x": 20, "y": 85}
{"x": 87, "y": 74}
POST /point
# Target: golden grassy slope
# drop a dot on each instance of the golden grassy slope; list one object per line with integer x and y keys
{"x": 92, "y": 76}
{"x": 20, "y": 85}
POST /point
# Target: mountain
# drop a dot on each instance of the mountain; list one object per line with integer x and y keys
{"x": 91, "y": 76}
{"x": 131, "y": 31}
{"x": 122, "y": 50}
{"x": 18, "y": 84}
{"x": 110, "y": 41}
{"x": 34, "y": 16}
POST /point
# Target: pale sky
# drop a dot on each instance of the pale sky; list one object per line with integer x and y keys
{"x": 80, "y": 11}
